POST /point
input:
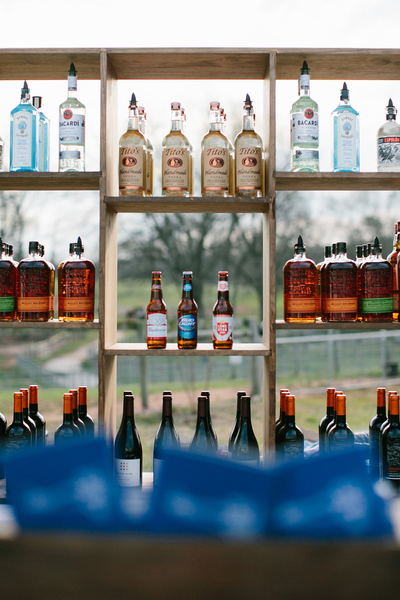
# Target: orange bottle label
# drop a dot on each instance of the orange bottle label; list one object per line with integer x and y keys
{"x": 75, "y": 304}
{"x": 32, "y": 304}
{"x": 341, "y": 305}
{"x": 301, "y": 305}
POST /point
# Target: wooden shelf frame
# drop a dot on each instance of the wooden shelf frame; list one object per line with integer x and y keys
{"x": 203, "y": 349}
{"x": 53, "y": 324}
{"x": 50, "y": 181}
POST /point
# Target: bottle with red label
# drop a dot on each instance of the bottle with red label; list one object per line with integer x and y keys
{"x": 156, "y": 315}
{"x": 35, "y": 286}
{"x": 388, "y": 142}
{"x": 249, "y": 159}
{"x": 300, "y": 287}
{"x": 76, "y": 284}
{"x": 304, "y": 127}
{"x": 222, "y": 315}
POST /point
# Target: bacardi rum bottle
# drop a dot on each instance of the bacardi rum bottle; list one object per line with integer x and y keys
{"x": 388, "y": 141}
{"x": 176, "y": 157}
{"x": 304, "y": 129}
{"x": 300, "y": 287}
{"x": 346, "y": 135}
{"x": 249, "y": 172}
{"x": 72, "y": 128}
{"x": 215, "y": 157}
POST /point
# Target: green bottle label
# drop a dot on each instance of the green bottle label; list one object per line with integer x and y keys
{"x": 7, "y": 303}
{"x": 377, "y": 305}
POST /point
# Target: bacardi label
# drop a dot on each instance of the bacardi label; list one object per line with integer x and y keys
{"x": 175, "y": 169}
{"x": 127, "y": 472}
{"x": 22, "y": 139}
{"x": 216, "y": 169}
{"x": 157, "y": 326}
{"x": 131, "y": 167}
{"x": 346, "y": 142}
{"x": 305, "y": 128}
{"x": 389, "y": 151}
{"x": 222, "y": 328}
{"x": 249, "y": 168}
{"x": 71, "y": 127}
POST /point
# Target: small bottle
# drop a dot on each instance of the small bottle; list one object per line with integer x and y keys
{"x": 323, "y": 424}
{"x": 149, "y": 152}
{"x": 249, "y": 171}
{"x": 376, "y": 287}
{"x": 346, "y": 135}
{"x": 76, "y": 286}
{"x": 236, "y": 425}
{"x": 215, "y": 157}
{"x": 82, "y": 411}
{"x": 390, "y": 445}
{"x": 223, "y": 315}
{"x": 8, "y": 277}
{"x": 18, "y": 435}
{"x": 202, "y": 441}
{"x": 304, "y": 130}
{"x": 340, "y": 436}
{"x": 187, "y": 315}
{"x": 72, "y": 128}
{"x": 232, "y": 186}
{"x": 36, "y": 416}
{"x": 35, "y": 287}
{"x": 340, "y": 302}
{"x": 44, "y": 136}
{"x": 67, "y": 430}
{"x": 282, "y": 411}
{"x": 156, "y": 315}
{"x": 393, "y": 259}
{"x": 320, "y": 267}
{"x": 78, "y": 422}
{"x": 25, "y": 414}
{"x": 300, "y": 287}
{"x": 166, "y": 437}
{"x": 290, "y": 439}
{"x": 207, "y": 396}
{"x": 24, "y": 135}
{"x": 374, "y": 432}
{"x": 132, "y": 156}
{"x": 388, "y": 142}
{"x": 175, "y": 174}
{"x": 128, "y": 448}
{"x": 245, "y": 448}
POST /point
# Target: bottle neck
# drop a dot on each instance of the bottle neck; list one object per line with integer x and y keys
{"x": 156, "y": 291}
{"x": 176, "y": 121}
{"x": 248, "y": 122}
{"x": 133, "y": 120}
{"x": 187, "y": 289}
{"x": 167, "y": 408}
{"x": 128, "y": 407}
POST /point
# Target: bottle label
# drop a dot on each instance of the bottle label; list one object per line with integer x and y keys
{"x": 216, "y": 169}
{"x": 22, "y": 139}
{"x": 157, "y": 326}
{"x": 304, "y": 82}
{"x": 15, "y": 444}
{"x": 305, "y": 154}
{"x": 377, "y": 305}
{"x": 71, "y": 127}
{"x": 301, "y": 305}
{"x": 249, "y": 168}
{"x": 38, "y": 304}
{"x": 223, "y": 286}
{"x": 75, "y": 304}
{"x": 127, "y": 472}
{"x": 396, "y": 302}
{"x": 340, "y": 305}
{"x": 222, "y": 327}
{"x": 187, "y": 287}
{"x": 70, "y": 155}
{"x": 346, "y": 141}
{"x": 305, "y": 128}
{"x": 393, "y": 459}
{"x": 389, "y": 151}
{"x": 175, "y": 169}
{"x": 187, "y": 327}
{"x": 72, "y": 79}
{"x": 291, "y": 450}
{"x": 7, "y": 303}
{"x": 131, "y": 167}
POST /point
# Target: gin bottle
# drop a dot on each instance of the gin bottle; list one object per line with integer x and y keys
{"x": 346, "y": 135}
{"x": 215, "y": 157}
{"x": 24, "y": 135}
{"x": 176, "y": 157}
{"x": 44, "y": 136}
{"x": 149, "y": 152}
{"x": 389, "y": 141}
{"x": 249, "y": 171}
{"x": 132, "y": 156}
{"x": 304, "y": 130}
{"x": 72, "y": 129}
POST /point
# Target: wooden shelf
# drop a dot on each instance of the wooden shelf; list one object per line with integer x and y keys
{"x": 54, "y": 324}
{"x": 34, "y": 63}
{"x": 162, "y": 204}
{"x": 26, "y": 181}
{"x": 286, "y": 181}
{"x": 172, "y": 350}
{"x": 319, "y": 325}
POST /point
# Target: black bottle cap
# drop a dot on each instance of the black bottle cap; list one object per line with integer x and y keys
{"x": 72, "y": 248}
{"x": 72, "y": 70}
{"x": 328, "y": 251}
{"x": 300, "y": 247}
{"x": 344, "y": 94}
{"x": 391, "y": 111}
{"x": 133, "y": 101}
{"x": 25, "y": 89}
{"x": 359, "y": 251}
{"x": 334, "y": 249}
{"x": 37, "y": 101}
{"x": 79, "y": 248}
{"x": 304, "y": 69}
{"x": 34, "y": 247}
{"x": 377, "y": 247}
{"x": 10, "y": 249}
{"x": 341, "y": 247}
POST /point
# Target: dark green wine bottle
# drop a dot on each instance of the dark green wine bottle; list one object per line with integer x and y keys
{"x": 128, "y": 452}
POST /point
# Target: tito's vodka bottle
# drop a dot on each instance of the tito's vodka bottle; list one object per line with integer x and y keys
{"x": 304, "y": 130}
{"x": 346, "y": 135}
{"x": 249, "y": 172}
{"x": 389, "y": 141}
{"x": 72, "y": 129}
{"x": 215, "y": 157}
{"x": 132, "y": 156}
{"x": 176, "y": 157}
{"x": 149, "y": 152}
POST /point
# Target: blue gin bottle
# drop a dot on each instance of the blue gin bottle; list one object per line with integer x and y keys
{"x": 24, "y": 135}
{"x": 346, "y": 135}
{"x": 44, "y": 136}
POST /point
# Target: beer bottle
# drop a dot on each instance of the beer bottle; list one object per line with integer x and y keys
{"x": 222, "y": 315}
{"x": 187, "y": 315}
{"x": 156, "y": 315}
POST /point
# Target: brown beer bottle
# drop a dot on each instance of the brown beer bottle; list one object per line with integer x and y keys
{"x": 187, "y": 315}
{"x": 156, "y": 315}
{"x": 222, "y": 315}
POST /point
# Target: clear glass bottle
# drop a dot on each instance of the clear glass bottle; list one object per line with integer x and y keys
{"x": 132, "y": 156}
{"x": 249, "y": 160}
{"x": 376, "y": 276}
{"x": 300, "y": 287}
{"x": 44, "y": 136}
{"x": 176, "y": 157}
{"x": 388, "y": 142}
{"x": 346, "y": 135}
{"x": 1, "y": 153}
{"x": 72, "y": 114}
{"x": 191, "y": 151}
{"x": 231, "y": 154}
{"x": 340, "y": 300}
{"x": 156, "y": 315}
{"x": 24, "y": 135}
{"x": 149, "y": 152}
{"x": 76, "y": 286}
{"x": 215, "y": 157}
{"x": 304, "y": 127}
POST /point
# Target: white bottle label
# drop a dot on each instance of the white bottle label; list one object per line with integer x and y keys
{"x": 127, "y": 472}
{"x": 175, "y": 168}
{"x": 222, "y": 327}
{"x": 305, "y": 128}
{"x": 346, "y": 142}
{"x": 223, "y": 286}
{"x": 72, "y": 79}
{"x": 389, "y": 151}
{"x": 131, "y": 167}
{"x": 216, "y": 168}
{"x": 22, "y": 139}
{"x": 156, "y": 325}
{"x": 249, "y": 168}
{"x": 71, "y": 127}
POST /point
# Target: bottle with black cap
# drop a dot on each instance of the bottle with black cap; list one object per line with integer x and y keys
{"x": 249, "y": 159}
{"x": 35, "y": 286}
{"x": 300, "y": 287}
{"x": 346, "y": 135}
{"x": 128, "y": 453}
{"x": 8, "y": 277}
{"x": 72, "y": 114}
{"x": 76, "y": 286}
{"x": 376, "y": 275}
{"x": 304, "y": 127}
{"x": 388, "y": 142}
{"x": 132, "y": 156}
{"x": 24, "y": 134}
{"x": 341, "y": 299}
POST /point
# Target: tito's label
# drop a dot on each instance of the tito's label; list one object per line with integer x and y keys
{"x": 305, "y": 127}
{"x": 175, "y": 169}
{"x": 132, "y": 160}
{"x": 249, "y": 168}
{"x": 215, "y": 168}
{"x": 222, "y": 328}
{"x": 71, "y": 127}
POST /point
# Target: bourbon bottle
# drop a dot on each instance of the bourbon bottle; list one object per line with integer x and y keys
{"x": 76, "y": 285}
{"x": 327, "y": 257}
{"x": 8, "y": 276}
{"x": 300, "y": 287}
{"x": 393, "y": 258}
{"x": 156, "y": 315}
{"x": 222, "y": 315}
{"x": 340, "y": 302}
{"x": 376, "y": 287}
{"x": 187, "y": 315}
{"x": 35, "y": 287}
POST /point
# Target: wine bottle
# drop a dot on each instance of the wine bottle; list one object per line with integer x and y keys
{"x": 166, "y": 436}
{"x": 282, "y": 411}
{"x": 206, "y": 394}
{"x": 245, "y": 447}
{"x": 82, "y": 411}
{"x": 203, "y": 440}
{"x": 236, "y": 425}
{"x": 333, "y": 422}
{"x": 67, "y": 430}
{"x": 390, "y": 446}
{"x": 374, "y": 431}
{"x": 78, "y": 422}
{"x": 128, "y": 448}
{"x": 18, "y": 435}
{"x": 340, "y": 436}
{"x": 25, "y": 414}
{"x": 36, "y": 416}
{"x": 290, "y": 440}
{"x": 330, "y": 413}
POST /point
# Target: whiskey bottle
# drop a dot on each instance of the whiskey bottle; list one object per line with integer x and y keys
{"x": 215, "y": 157}
{"x": 187, "y": 315}
{"x": 82, "y": 411}
{"x": 323, "y": 424}
{"x": 18, "y": 435}
{"x": 290, "y": 439}
{"x": 223, "y": 315}
{"x": 156, "y": 315}
{"x": 320, "y": 266}
{"x": 44, "y": 136}
{"x": 245, "y": 448}
{"x": 166, "y": 437}
{"x": 191, "y": 154}
{"x": 8, "y": 275}
{"x": 359, "y": 261}
{"x": 300, "y": 287}
{"x": 393, "y": 259}
{"x": 149, "y": 152}
{"x": 235, "y": 429}
{"x": 231, "y": 155}
{"x": 175, "y": 161}
{"x": 374, "y": 431}
{"x": 340, "y": 436}
{"x": 388, "y": 141}
{"x": 35, "y": 287}
{"x": 72, "y": 128}
{"x": 67, "y": 431}
{"x": 132, "y": 156}
{"x": 36, "y": 416}
{"x": 346, "y": 135}
{"x": 376, "y": 287}
{"x": 249, "y": 171}
{"x": 390, "y": 445}
{"x": 282, "y": 411}
{"x": 304, "y": 130}
{"x": 24, "y": 134}
{"x": 76, "y": 286}
{"x": 341, "y": 302}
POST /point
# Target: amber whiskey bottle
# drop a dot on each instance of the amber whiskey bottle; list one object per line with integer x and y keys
{"x": 76, "y": 286}
{"x": 341, "y": 300}
{"x": 35, "y": 286}
{"x": 393, "y": 259}
{"x": 156, "y": 315}
{"x": 376, "y": 287}
{"x": 300, "y": 287}
{"x": 222, "y": 315}
{"x": 8, "y": 276}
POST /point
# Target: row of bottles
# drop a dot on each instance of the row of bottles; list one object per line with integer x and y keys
{"x": 27, "y": 287}
{"x": 226, "y": 169}
{"x": 76, "y": 420}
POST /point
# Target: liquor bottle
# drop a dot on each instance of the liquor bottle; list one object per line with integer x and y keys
{"x": 132, "y": 156}
{"x": 11, "y": 255}
{"x": 18, "y": 435}
{"x": 128, "y": 448}
{"x": 78, "y": 422}
{"x": 282, "y": 411}
{"x": 82, "y": 411}
{"x": 156, "y": 315}
{"x": 304, "y": 130}
{"x": 72, "y": 128}
{"x": 300, "y": 287}
{"x": 166, "y": 437}
{"x": 44, "y": 136}
{"x": 376, "y": 287}
{"x": 207, "y": 396}
{"x": 340, "y": 300}
{"x": 249, "y": 171}
{"x": 222, "y": 315}
{"x": 67, "y": 430}
{"x": 374, "y": 431}
{"x": 323, "y": 424}
{"x": 187, "y": 315}
{"x": 36, "y": 416}
{"x": 340, "y": 436}
{"x": 202, "y": 441}
{"x": 191, "y": 154}
{"x": 388, "y": 140}
{"x": 24, "y": 134}
{"x": 235, "y": 429}
{"x": 149, "y": 152}
{"x": 76, "y": 286}
{"x": 25, "y": 414}
{"x": 175, "y": 169}
{"x": 359, "y": 262}
{"x": 231, "y": 147}
{"x": 393, "y": 259}
{"x": 390, "y": 445}
{"x": 215, "y": 157}
{"x": 320, "y": 266}
{"x": 245, "y": 447}
{"x": 346, "y": 135}
{"x": 8, "y": 276}
{"x": 52, "y": 279}
{"x": 290, "y": 439}
{"x": 35, "y": 287}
